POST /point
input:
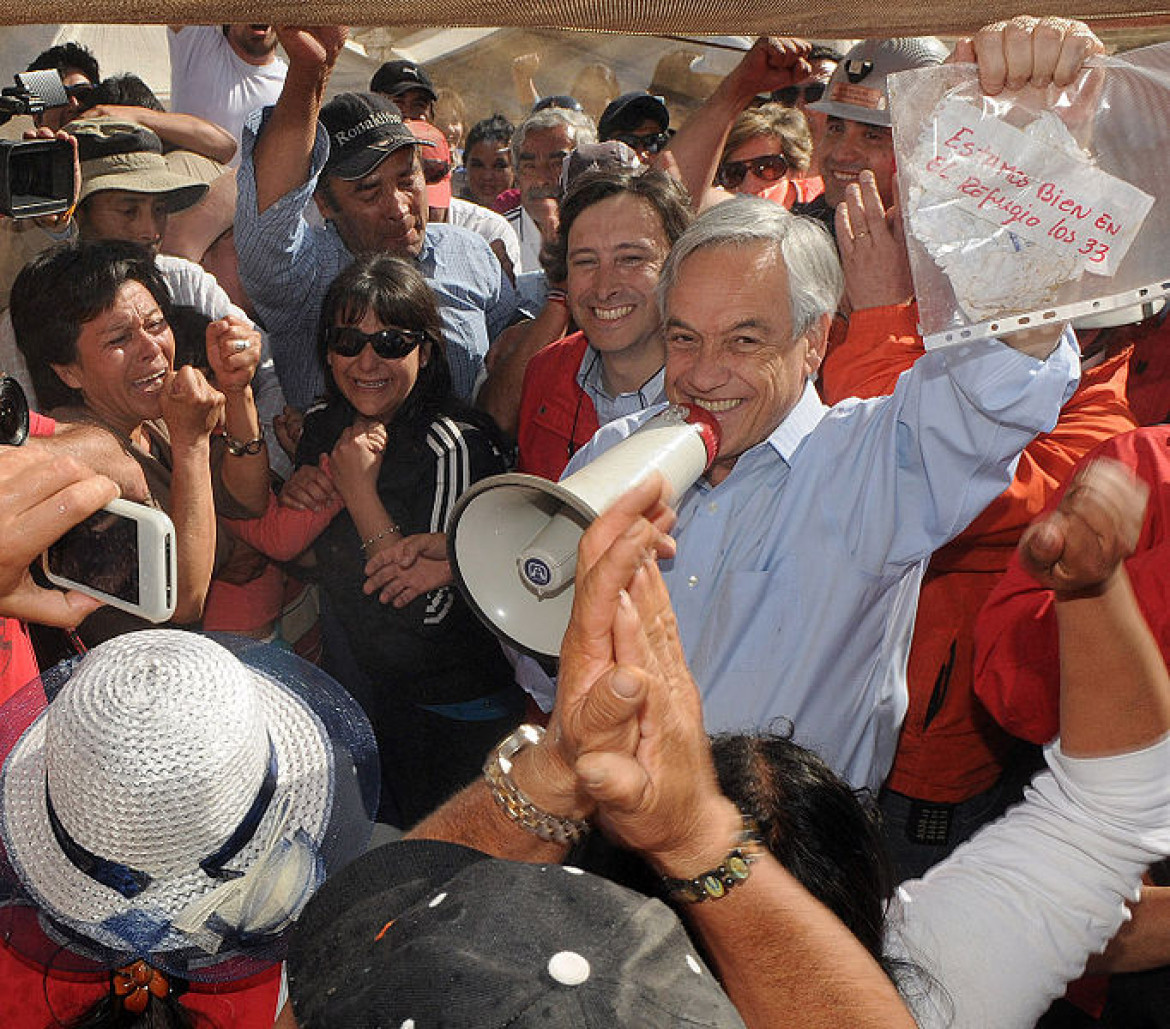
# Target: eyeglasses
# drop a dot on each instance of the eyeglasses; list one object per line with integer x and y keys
{"x": 391, "y": 344}
{"x": 435, "y": 171}
{"x": 651, "y": 143}
{"x": 79, "y": 90}
{"x": 770, "y": 168}
{"x": 790, "y": 96}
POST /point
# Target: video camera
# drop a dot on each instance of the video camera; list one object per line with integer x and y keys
{"x": 36, "y": 175}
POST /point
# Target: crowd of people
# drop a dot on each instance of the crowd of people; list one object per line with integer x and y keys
{"x": 878, "y": 707}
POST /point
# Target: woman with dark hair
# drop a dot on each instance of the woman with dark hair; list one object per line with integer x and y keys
{"x": 92, "y": 321}
{"x": 401, "y": 449}
{"x": 487, "y": 161}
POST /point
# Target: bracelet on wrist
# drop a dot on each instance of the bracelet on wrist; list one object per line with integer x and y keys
{"x": 556, "y": 296}
{"x": 733, "y": 870}
{"x": 242, "y": 448}
{"x": 390, "y": 530}
{"x": 497, "y": 770}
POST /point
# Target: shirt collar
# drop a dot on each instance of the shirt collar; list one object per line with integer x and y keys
{"x": 798, "y": 423}
{"x": 589, "y": 379}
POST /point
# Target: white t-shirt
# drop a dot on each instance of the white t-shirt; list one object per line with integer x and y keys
{"x": 487, "y": 223}
{"x": 210, "y": 81}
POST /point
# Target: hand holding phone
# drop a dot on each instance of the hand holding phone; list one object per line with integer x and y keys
{"x": 124, "y": 556}
{"x": 41, "y": 496}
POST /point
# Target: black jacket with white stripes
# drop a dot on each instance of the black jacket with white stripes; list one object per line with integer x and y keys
{"x": 434, "y": 650}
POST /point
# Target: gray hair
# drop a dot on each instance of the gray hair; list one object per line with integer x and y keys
{"x": 815, "y": 282}
{"x": 580, "y": 126}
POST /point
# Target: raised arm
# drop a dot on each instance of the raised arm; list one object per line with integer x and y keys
{"x": 192, "y": 409}
{"x": 178, "y": 131}
{"x": 282, "y": 153}
{"x": 693, "y": 153}
{"x": 1114, "y": 689}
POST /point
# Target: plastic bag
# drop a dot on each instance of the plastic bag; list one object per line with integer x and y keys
{"x": 1034, "y": 206}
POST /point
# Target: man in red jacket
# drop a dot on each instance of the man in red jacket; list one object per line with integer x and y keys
{"x": 616, "y": 230}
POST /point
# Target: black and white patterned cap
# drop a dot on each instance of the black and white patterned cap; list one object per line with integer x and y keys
{"x": 422, "y": 934}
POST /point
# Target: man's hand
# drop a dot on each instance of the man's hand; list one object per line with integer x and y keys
{"x": 1079, "y": 547}
{"x": 772, "y": 63}
{"x": 39, "y": 501}
{"x": 310, "y": 488}
{"x": 191, "y": 406}
{"x": 1028, "y": 51}
{"x": 656, "y": 790}
{"x": 409, "y": 567}
{"x": 594, "y": 709}
{"x": 873, "y": 248}
{"x": 312, "y": 46}
{"x": 233, "y": 352}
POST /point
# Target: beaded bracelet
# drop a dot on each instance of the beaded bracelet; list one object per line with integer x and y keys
{"x": 735, "y": 868}
{"x": 388, "y": 531}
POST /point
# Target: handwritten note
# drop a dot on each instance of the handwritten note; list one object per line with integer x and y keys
{"x": 1040, "y": 192}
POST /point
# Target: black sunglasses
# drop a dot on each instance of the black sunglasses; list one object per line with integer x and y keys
{"x": 435, "y": 171}
{"x": 391, "y": 344}
{"x": 789, "y": 96}
{"x": 651, "y": 143}
{"x": 770, "y": 168}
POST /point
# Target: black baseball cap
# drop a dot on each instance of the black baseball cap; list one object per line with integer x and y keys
{"x": 364, "y": 129}
{"x": 425, "y": 933}
{"x": 629, "y": 110}
{"x": 396, "y": 77}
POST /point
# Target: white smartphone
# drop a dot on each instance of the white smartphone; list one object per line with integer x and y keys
{"x": 124, "y": 555}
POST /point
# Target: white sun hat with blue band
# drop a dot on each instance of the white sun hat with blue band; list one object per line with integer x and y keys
{"x": 179, "y": 801}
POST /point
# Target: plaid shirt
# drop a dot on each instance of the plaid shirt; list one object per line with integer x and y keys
{"x": 286, "y": 266}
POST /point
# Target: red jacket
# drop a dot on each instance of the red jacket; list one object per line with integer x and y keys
{"x": 950, "y": 749}
{"x": 1017, "y": 663}
{"x": 557, "y": 417}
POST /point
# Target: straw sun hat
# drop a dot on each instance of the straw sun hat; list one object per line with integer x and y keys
{"x": 178, "y": 801}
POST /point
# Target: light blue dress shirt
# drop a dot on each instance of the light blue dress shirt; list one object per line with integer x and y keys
{"x": 286, "y": 265}
{"x": 796, "y": 578}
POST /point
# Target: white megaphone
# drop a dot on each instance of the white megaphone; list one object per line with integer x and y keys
{"x": 512, "y": 539}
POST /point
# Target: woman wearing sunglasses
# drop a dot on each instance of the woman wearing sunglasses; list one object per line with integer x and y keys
{"x": 767, "y": 150}
{"x": 401, "y": 448}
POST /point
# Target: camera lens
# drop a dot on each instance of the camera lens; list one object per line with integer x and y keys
{"x": 13, "y": 413}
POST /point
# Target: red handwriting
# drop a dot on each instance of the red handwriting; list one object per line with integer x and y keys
{"x": 987, "y": 158}
{"x": 992, "y": 196}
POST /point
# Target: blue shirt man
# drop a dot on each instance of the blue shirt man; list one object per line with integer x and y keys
{"x": 801, "y": 552}
{"x": 360, "y": 163}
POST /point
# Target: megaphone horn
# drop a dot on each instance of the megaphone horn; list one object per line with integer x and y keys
{"x": 512, "y": 539}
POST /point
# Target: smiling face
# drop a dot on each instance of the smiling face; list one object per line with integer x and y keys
{"x": 385, "y": 210}
{"x": 123, "y": 357}
{"x": 615, "y": 252}
{"x": 375, "y": 386}
{"x": 758, "y": 146}
{"x": 119, "y": 214}
{"x": 847, "y": 148}
{"x": 729, "y": 346}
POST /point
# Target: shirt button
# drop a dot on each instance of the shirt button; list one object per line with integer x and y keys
{"x": 693, "y": 581}
{"x": 713, "y": 506}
